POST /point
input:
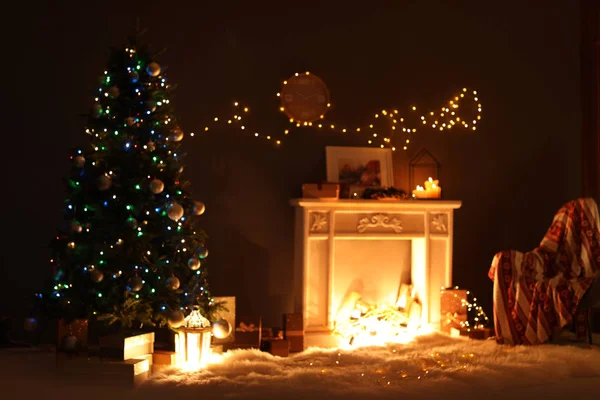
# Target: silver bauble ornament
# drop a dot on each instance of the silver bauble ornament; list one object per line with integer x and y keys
{"x": 176, "y": 135}
{"x": 113, "y": 92}
{"x": 104, "y": 182}
{"x": 96, "y": 276}
{"x": 75, "y": 227}
{"x": 157, "y": 186}
{"x": 153, "y": 69}
{"x": 172, "y": 283}
{"x": 30, "y": 324}
{"x": 79, "y": 161}
{"x": 199, "y": 208}
{"x": 151, "y": 146}
{"x": 129, "y": 121}
{"x": 202, "y": 252}
{"x": 96, "y": 111}
{"x": 151, "y": 105}
{"x": 135, "y": 283}
{"x": 175, "y": 211}
{"x": 221, "y": 329}
{"x": 194, "y": 264}
{"x": 176, "y": 319}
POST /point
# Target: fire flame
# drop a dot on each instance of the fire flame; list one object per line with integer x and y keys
{"x": 361, "y": 324}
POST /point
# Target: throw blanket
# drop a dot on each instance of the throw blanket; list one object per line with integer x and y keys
{"x": 538, "y": 292}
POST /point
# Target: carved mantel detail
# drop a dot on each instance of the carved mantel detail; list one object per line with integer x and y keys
{"x": 318, "y": 222}
{"x": 439, "y": 222}
{"x": 379, "y": 220}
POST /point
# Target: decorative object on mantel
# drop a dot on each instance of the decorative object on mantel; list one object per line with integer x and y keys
{"x": 431, "y": 190}
{"x": 359, "y": 167}
{"x": 423, "y": 167}
{"x": 390, "y": 193}
{"x": 321, "y": 191}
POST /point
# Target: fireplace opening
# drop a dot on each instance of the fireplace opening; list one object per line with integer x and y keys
{"x": 359, "y": 323}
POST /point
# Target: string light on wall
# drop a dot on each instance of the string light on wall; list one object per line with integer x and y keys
{"x": 304, "y": 100}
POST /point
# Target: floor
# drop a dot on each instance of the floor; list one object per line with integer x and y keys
{"x": 433, "y": 366}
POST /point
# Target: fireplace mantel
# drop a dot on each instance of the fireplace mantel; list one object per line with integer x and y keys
{"x": 343, "y": 244}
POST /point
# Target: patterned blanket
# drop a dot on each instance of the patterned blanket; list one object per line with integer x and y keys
{"x": 538, "y": 292}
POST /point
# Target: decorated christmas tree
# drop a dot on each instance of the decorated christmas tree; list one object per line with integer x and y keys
{"x": 129, "y": 251}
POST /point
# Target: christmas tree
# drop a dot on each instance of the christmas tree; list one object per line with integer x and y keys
{"x": 129, "y": 251}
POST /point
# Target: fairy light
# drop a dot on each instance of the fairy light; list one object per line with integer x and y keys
{"x": 385, "y": 120}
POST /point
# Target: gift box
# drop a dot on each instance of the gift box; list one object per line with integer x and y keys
{"x": 248, "y": 333}
{"x": 97, "y": 370}
{"x": 471, "y": 333}
{"x": 321, "y": 191}
{"x": 126, "y": 345}
{"x": 276, "y": 347}
{"x": 453, "y": 310}
{"x": 293, "y": 331}
{"x": 72, "y": 336}
{"x": 227, "y": 314}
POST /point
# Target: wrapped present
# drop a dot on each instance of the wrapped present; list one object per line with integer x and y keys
{"x": 453, "y": 310}
{"x": 321, "y": 191}
{"x": 227, "y": 314}
{"x": 126, "y": 345}
{"x": 276, "y": 347}
{"x": 72, "y": 337}
{"x": 96, "y": 370}
{"x": 248, "y": 333}
{"x": 293, "y": 328}
{"x": 471, "y": 333}
{"x": 163, "y": 357}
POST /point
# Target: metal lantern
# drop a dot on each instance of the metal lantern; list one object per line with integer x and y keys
{"x": 422, "y": 167}
{"x": 192, "y": 343}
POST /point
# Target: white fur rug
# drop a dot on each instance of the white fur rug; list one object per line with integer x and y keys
{"x": 432, "y": 367}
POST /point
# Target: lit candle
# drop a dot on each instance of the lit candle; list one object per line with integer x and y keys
{"x": 432, "y": 190}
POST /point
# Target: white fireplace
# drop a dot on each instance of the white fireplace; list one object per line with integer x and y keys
{"x": 370, "y": 247}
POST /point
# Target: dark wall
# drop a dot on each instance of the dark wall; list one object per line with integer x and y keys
{"x": 512, "y": 174}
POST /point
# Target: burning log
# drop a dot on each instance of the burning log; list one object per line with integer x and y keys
{"x": 374, "y": 324}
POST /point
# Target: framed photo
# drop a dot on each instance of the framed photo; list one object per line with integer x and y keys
{"x": 358, "y": 168}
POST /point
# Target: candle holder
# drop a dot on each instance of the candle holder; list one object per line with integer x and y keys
{"x": 192, "y": 344}
{"x": 422, "y": 167}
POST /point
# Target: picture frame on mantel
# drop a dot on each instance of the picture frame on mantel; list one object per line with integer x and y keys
{"x": 358, "y": 168}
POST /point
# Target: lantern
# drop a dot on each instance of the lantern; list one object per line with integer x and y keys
{"x": 192, "y": 343}
{"x": 422, "y": 167}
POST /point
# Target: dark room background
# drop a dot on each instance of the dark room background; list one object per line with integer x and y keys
{"x": 512, "y": 174}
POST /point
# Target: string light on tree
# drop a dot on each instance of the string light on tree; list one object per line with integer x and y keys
{"x": 118, "y": 255}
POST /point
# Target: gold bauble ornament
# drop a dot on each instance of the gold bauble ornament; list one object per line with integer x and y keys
{"x": 176, "y": 135}
{"x": 221, "y": 329}
{"x": 153, "y": 69}
{"x": 135, "y": 283}
{"x": 194, "y": 264}
{"x": 199, "y": 208}
{"x": 104, "y": 182}
{"x": 96, "y": 276}
{"x": 157, "y": 186}
{"x": 175, "y": 211}
{"x": 176, "y": 319}
{"x": 79, "y": 161}
{"x": 173, "y": 283}
{"x": 113, "y": 92}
